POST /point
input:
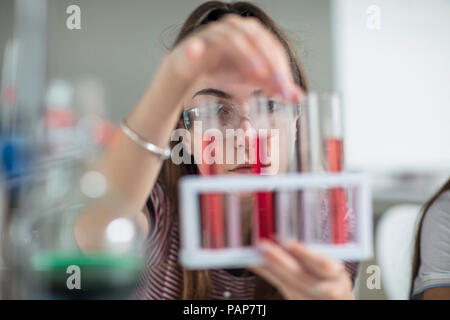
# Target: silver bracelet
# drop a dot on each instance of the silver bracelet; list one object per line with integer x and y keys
{"x": 162, "y": 153}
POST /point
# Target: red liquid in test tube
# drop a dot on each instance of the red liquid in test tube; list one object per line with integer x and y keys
{"x": 263, "y": 206}
{"x": 233, "y": 221}
{"x": 337, "y": 196}
{"x": 212, "y": 214}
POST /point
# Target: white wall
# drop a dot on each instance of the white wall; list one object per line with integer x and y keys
{"x": 395, "y": 83}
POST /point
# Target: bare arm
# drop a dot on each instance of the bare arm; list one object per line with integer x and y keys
{"x": 130, "y": 169}
{"x": 439, "y": 293}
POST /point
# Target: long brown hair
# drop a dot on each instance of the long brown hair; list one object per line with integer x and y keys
{"x": 197, "y": 284}
{"x": 416, "y": 258}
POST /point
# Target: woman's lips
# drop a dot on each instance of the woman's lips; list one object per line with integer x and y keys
{"x": 246, "y": 168}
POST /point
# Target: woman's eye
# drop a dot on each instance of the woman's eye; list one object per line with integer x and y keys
{"x": 272, "y": 105}
{"x": 219, "y": 108}
{"x": 223, "y": 109}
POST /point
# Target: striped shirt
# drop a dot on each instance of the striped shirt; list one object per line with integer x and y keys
{"x": 163, "y": 276}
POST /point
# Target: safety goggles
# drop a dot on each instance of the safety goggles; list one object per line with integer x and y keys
{"x": 261, "y": 113}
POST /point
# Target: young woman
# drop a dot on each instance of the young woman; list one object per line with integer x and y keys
{"x": 228, "y": 52}
{"x": 431, "y": 264}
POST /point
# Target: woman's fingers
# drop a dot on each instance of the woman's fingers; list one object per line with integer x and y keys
{"x": 320, "y": 266}
{"x": 286, "y": 268}
{"x": 226, "y": 45}
{"x": 232, "y": 44}
{"x": 271, "y": 50}
{"x": 320, "y": 290}
{"x": 226, "y": 42}
{"x": 226, "y": 49}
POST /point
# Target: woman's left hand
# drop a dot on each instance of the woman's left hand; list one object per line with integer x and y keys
{"x": 301, "y": 274}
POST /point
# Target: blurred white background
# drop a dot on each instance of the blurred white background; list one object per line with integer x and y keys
{"x": 395, "y": 79}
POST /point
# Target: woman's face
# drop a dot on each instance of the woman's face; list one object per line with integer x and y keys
{"x": 239, "y": 151}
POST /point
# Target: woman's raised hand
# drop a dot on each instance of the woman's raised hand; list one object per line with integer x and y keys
{"x": 242, "y": 49}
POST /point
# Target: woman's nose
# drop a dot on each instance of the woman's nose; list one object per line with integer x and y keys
{"x": 245, "y": 124}
{"x": 248, "y": 130}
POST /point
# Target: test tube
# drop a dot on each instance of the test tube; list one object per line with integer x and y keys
{"x": 285, "y": 218}
{"x": 211, "y": 203}
{"x": 234, "y": 227}
{"x": 286, "y": 204}
{"x": 309, "y": 161}
{"x": 331, "y": 119}
{"x": 263, "y": 208}
{"x": 263, "y": 213}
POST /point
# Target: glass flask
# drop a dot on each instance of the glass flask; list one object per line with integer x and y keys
{"x": 74, "y": 235}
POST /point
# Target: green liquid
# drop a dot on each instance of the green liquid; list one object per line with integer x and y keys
{"x": 101, "y": 276}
